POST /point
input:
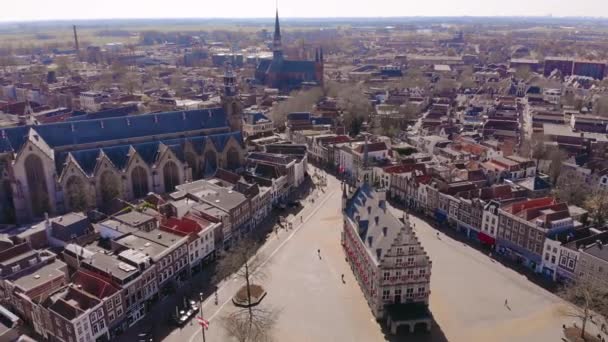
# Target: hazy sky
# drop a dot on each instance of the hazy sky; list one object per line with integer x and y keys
{"x": 20, "y": 10}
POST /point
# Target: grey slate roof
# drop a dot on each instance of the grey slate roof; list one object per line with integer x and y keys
{"x": 373, "y": 218}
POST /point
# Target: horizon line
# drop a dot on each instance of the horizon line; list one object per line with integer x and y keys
{"x": 545, "y": 17}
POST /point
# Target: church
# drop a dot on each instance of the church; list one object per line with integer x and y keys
{"x": 284, "y": 74}
{"x": 71, "y": 166}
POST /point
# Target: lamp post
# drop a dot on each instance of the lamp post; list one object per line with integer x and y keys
{"x": 202, "y": 325}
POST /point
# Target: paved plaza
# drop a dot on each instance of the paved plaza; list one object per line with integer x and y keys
{"x": 467, "y": 299}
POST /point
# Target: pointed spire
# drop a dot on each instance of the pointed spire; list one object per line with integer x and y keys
{"x": 277, "y": 27}
{"x": 277, "y": 50}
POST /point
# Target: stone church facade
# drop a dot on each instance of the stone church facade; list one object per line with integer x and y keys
{"x": 72, "y": 166}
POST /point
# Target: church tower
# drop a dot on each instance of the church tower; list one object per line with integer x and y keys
{"x": 277, "y": 49}
{"x": 230, "y": 101}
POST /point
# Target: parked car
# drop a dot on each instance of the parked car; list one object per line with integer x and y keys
{"x": 145, "y": 337}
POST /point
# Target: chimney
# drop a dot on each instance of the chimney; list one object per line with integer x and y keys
{"x": 76, "y": 39}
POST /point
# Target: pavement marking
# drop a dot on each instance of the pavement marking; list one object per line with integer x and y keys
{"x": 319, "y": 206}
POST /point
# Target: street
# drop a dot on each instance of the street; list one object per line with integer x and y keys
{"x": 468, "y": 289}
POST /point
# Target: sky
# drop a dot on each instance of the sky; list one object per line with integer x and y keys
{"x": 28, "y": 10}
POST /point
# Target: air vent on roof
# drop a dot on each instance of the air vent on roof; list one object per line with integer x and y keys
{"x": 37, "y": 276}
{"x": 217, "y": 201}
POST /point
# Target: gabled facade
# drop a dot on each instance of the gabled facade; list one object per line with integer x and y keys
{"x": 72, "y": 166}
{"x": 388, "y": 261}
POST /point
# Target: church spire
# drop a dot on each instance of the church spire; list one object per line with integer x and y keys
{"x": 277, "y": 28}
{"x": 277, "y": 50}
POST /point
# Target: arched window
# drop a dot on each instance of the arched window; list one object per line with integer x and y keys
{"x": 139, "y": 180}
{"x": 233, "y": 157}
{"x": 210, "y": 163}
{"x": 110, "y": 187}
{"x": 75, "y": 194}
{"x": 196, "y": 167}
{"x": 7, "y": 211}
{"x": 36, "y": 183}
{"x": 170, "y": 176}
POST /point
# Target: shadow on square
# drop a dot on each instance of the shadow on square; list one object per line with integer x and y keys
{"x": 420, "y": 334}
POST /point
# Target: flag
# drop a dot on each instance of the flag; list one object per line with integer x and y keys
{"x": 203, "y": 322}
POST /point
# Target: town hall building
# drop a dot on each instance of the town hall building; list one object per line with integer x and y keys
{"x": 387, "y": 259}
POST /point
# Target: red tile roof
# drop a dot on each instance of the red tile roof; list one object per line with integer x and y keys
{"x": 372, "y": 147}
{"x": 404, "y": 168}
{"x": 183, "y": 226}
{"x": 95, "y": 284}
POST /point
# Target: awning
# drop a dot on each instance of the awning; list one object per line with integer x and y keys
{"x": 484, "y": 238}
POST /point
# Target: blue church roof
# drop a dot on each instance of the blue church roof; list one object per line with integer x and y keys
{"x": 98, "y": 130}
{"x": 149, "y": 151}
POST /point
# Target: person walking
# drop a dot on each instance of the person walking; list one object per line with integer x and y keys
{"x": 506, "y": 303}
{"x": 343, "y": 278}
{"x": 319, "y": 253}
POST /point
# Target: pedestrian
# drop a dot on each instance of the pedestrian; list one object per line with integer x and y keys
{"x": 506, "y": 302}
{"x": 343, "y": 277}
{"x": 319, "y": 253}
{"x": 438, "y": 236}
{"x": 302, "y": 218}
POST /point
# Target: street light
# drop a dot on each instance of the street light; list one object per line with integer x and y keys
{"x": 202, "y": 325}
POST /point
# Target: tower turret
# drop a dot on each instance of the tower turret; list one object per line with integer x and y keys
{"x": 230, "y": 100}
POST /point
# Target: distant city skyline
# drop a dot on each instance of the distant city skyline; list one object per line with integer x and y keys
{"x": 35, "y": 10}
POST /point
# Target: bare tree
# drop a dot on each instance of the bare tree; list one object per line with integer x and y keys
{"x": 522, "y": 72}
{"x": 557, "y": 158}
{"x": 571, "y": 188}
{"x": 131, "y": 81}
{"x": 355, "y": 105}
{"x": 600, "y": 106}
{"x": 588, "y": 297}
{"x": 301, "y": 101}
{"x": 242, "y": 261}
{"x": 597, "y": 205}
{"x": 414, "y": 78}
{"x": 255, "y": 327}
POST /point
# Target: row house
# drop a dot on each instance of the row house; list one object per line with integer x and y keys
{"x": 200, "y": 232}
{"x": 220, "y": 202}
{"x": 29, "y": 276}
{"x": 389, "y": 263}
{"x": 296, "y": 161}
{"x": 322, "y": 148}
{"x": 511, "y": 167}
{"x": 72, "y": 315}
{"x": 132, "y": 272}
{"x": 167, "y": 250}
{"x": 523, "y": 227}
{"x": 256, "y": 124}
{"x": 593, "y": 262}
{"x": 561, "y": 253}
{"x": 365, "y": 155}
